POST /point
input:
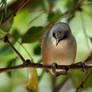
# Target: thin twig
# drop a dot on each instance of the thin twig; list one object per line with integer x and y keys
{"x": 16, "y": 8}
{"x": 83, "y": 82}
{"x": 21, "y": 57}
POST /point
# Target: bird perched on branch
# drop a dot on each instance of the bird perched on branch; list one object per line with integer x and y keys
{"x": 59, "y": 45}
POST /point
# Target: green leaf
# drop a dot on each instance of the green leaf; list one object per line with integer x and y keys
{"x": 71, "y": 4}
{"x": 37, "y": 49}
{"x": 90, "y": 39}
{"x": 77, "y": 76}
{"x": 11, "y": 63}
{"x": 55, "y": 16}
{"x": 3, "y": 1}
{"x": 26, "y": 19}
{"x": 15, "y": 35}
{"x": 88, "y": 83}
{"x": 60, "y": 80}
{"x": 89, "y": 1}
{"x": 46, "y": 5}
{"x": 28, "y": 90}
{"x": 33, "y": 34}
{"x": 3, "y": 17}
{"x": 83, "y": 43}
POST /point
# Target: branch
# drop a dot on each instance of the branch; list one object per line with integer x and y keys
{"x": 43, "y": 66}
{"x": 15, "y": 7}
{"x": 6, "y": 40}
{"x": 83, "y": 82}
{"x": 27, "y": 63}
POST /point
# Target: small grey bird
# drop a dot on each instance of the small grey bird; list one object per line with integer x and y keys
{"x": 59, "y": 45}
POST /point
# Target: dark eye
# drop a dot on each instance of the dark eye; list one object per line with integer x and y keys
{"x": 65, "y": 36}
{"x": 54, "y": 35}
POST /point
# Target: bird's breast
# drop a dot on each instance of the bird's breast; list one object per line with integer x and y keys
{"x": 62, "y": 54}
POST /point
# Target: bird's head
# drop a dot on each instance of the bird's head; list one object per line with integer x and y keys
{"x": 60, "y": 31}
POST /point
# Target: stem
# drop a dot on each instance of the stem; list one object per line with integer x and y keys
{"x": 26, "y": 51}
{"x": 83, "y": 82}
{"x": 19, "y": 5}
{"x": 42, "y": 66}
{"x": 21, "y": 57}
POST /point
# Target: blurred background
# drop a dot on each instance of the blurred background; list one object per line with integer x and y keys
{"x": 25, "y": 22}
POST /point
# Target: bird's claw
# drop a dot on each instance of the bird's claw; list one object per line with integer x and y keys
{"x": 83, "y": 65}
{"x": 54, "y": 66}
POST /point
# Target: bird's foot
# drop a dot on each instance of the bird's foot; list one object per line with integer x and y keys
{"x": 83, "y": 65}
{"x": 57, "y": 73}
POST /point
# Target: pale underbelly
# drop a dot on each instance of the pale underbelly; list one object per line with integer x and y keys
{"x": 62, "y": 58}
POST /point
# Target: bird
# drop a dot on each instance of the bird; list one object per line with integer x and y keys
{"x": 59, "y": 45}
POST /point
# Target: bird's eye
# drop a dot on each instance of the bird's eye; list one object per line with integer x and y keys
{"x": 65, "y": 36}
{"x": 54, "y": 35}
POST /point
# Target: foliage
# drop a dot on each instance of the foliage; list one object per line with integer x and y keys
{"x": 27, "y": 27}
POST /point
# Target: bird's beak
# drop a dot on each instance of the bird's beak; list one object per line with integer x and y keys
{"x": 57, "y": 41}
